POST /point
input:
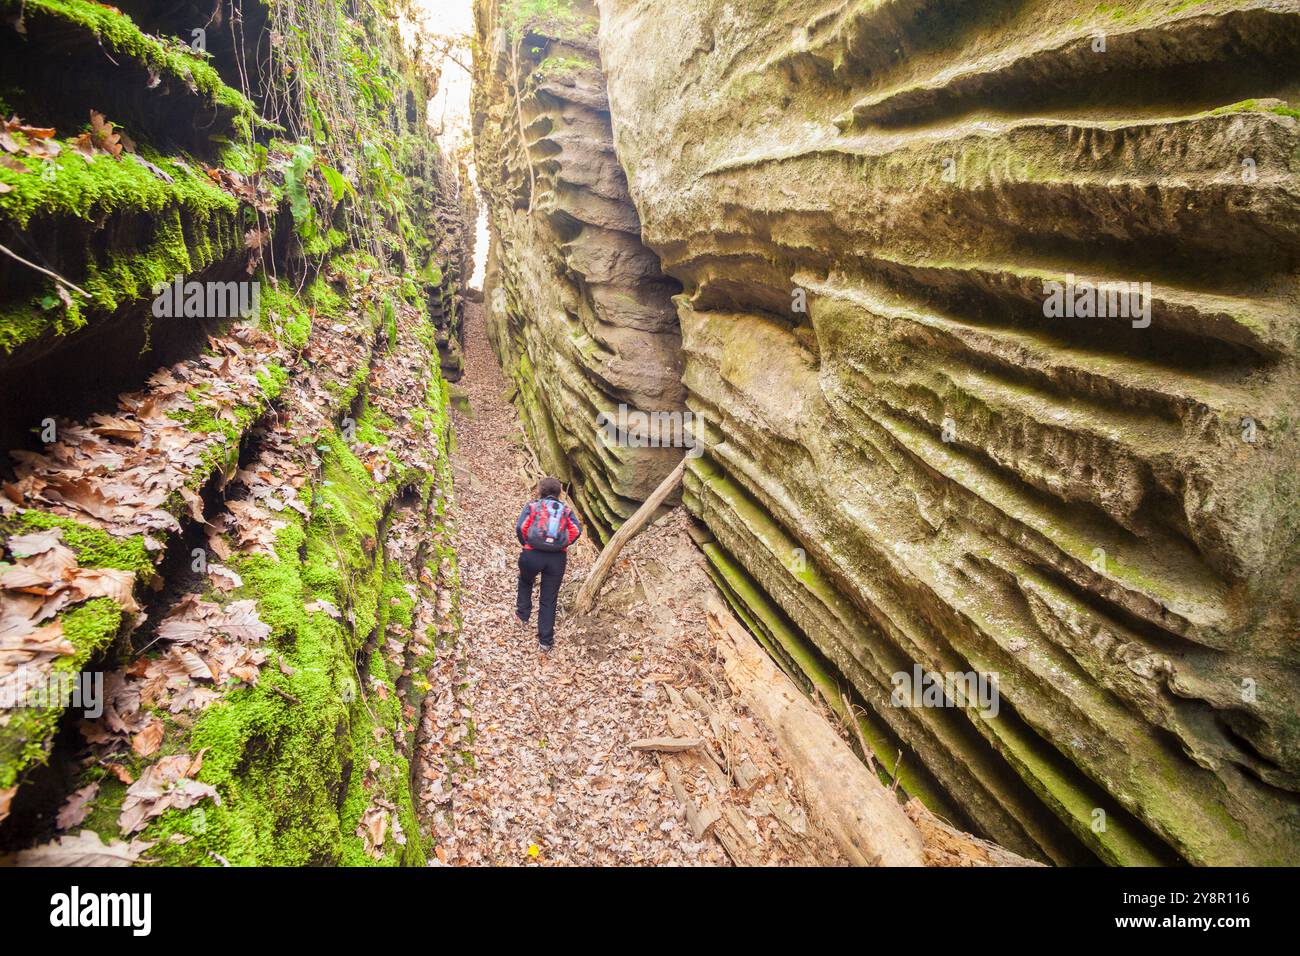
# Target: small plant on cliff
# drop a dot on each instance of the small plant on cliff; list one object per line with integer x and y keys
{"x": 520, "y": 16}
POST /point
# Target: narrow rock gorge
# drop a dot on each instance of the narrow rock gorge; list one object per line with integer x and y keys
{"x": 924, "y": 375}
{"x": 580, "y": 313}
{"x": 985, "y": 316}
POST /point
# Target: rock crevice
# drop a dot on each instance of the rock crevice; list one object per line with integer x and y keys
{"x": 578, "y": 309}
{"x": 987, "y": 312}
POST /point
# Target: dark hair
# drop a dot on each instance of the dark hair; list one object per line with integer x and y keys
{"x": 549, "y": 488}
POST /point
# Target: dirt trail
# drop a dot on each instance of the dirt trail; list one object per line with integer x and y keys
{"x": 533, "y": 763}
{"x": 551, "y": 779}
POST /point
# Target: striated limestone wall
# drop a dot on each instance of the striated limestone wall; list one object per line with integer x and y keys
{"x": 453, "y": 212}
{"x": 577, "y": 307}
{"x": 912, "y": 461}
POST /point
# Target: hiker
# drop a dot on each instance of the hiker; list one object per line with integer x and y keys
{"x": 546, "y": 527}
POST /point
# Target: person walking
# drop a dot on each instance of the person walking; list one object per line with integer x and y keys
{"x": 545, "y": 529}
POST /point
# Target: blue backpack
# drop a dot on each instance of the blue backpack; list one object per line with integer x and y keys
{"x": 546, "y": 529}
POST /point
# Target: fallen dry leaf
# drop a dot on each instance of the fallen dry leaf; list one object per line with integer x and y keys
{"x": 193, "y": 503}
{"x": 76, "y": 807}
{"x": 166, "y": 785}
{"x": 84, "y": 849}
{"x": 88, "y": 583}
{"x": 224, "y": 578}
{"x": 325, "y": 607}
{"x": 38, "y": 542}
{"x": 373, "y": 829}
{"x": 147, "y": 741}
{"x": 112, "y": 426}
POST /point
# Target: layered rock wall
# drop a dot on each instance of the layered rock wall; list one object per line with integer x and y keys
{"x": 453, "y": 215}
{"x": 914, "y": 459}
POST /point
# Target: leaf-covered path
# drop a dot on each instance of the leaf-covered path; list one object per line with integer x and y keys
{"x": 551, "y": 779}
{"x": 527, "y": 758}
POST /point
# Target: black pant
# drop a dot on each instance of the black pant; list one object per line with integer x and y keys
{"x": 550, "y": 565}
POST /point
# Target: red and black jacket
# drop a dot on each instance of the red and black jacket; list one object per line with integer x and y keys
{"x": 568, "y": 522}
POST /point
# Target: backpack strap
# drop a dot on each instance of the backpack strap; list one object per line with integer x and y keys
{"x": 526, "y": 520}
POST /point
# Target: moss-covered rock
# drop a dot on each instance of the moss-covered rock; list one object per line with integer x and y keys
{"x": 330, "y": 202}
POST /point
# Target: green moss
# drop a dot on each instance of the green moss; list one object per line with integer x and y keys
{"x": 806, "y": 666}
{"x": 201, "y": 418}
{"x": 286, "y": 760}
{"x": 1186, "y": 5}
{"x": 342, "y": 549}
{"x": 91, "y": 627}
{"x": 232, "y": 423}
{"x": 559, "y": 17}
{"x": 117, "y": 34}
{"x": 388, "y": 774}
{"x": 273, "y": 380}
{"x": 27, "y": 734}
{"x": 94, "y": 548}
{"x": 291, "y": 755}
{"x": 105, "y": 186}
{"x": 390, "y": 322}
{"x": 1256, "y": 106}
{"x": 281, "y": 760}
{"x": 193, "y": 224}
{"x": 284, "y": 314}
{"x": 107, "y": 805}
{"x": 559, "y": 67}
{"x": 1059, "y": 784}
{"x": 322, "y": 297}
{"x": 29, "y": 321}
{"x": 276, "y": 756}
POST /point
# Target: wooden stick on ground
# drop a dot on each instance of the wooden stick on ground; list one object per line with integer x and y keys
{"x": 867, "y": 753}
{"x": 862, "y": 815}
{"x": 668, "y": 745}
{"x": 600, "y": 570}
{"x": 945, "y": 845}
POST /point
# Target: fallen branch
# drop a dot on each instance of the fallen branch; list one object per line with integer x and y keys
{"x": 861, "y": 814}
{"x": 600, "y": 570}
{"x": 945, "y": 845}
{"x": 867, "y": 753}
{"x": 698, "y": 820}
{"x": 53, "y": 275}
{"x": 667, "y": 745}
{"x": 285, "y": 694}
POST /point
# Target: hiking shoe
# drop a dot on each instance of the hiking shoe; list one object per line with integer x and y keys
{"x": 544, "y": 647}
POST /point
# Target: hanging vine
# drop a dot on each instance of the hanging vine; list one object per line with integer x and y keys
{"x": 332, "y": 96}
